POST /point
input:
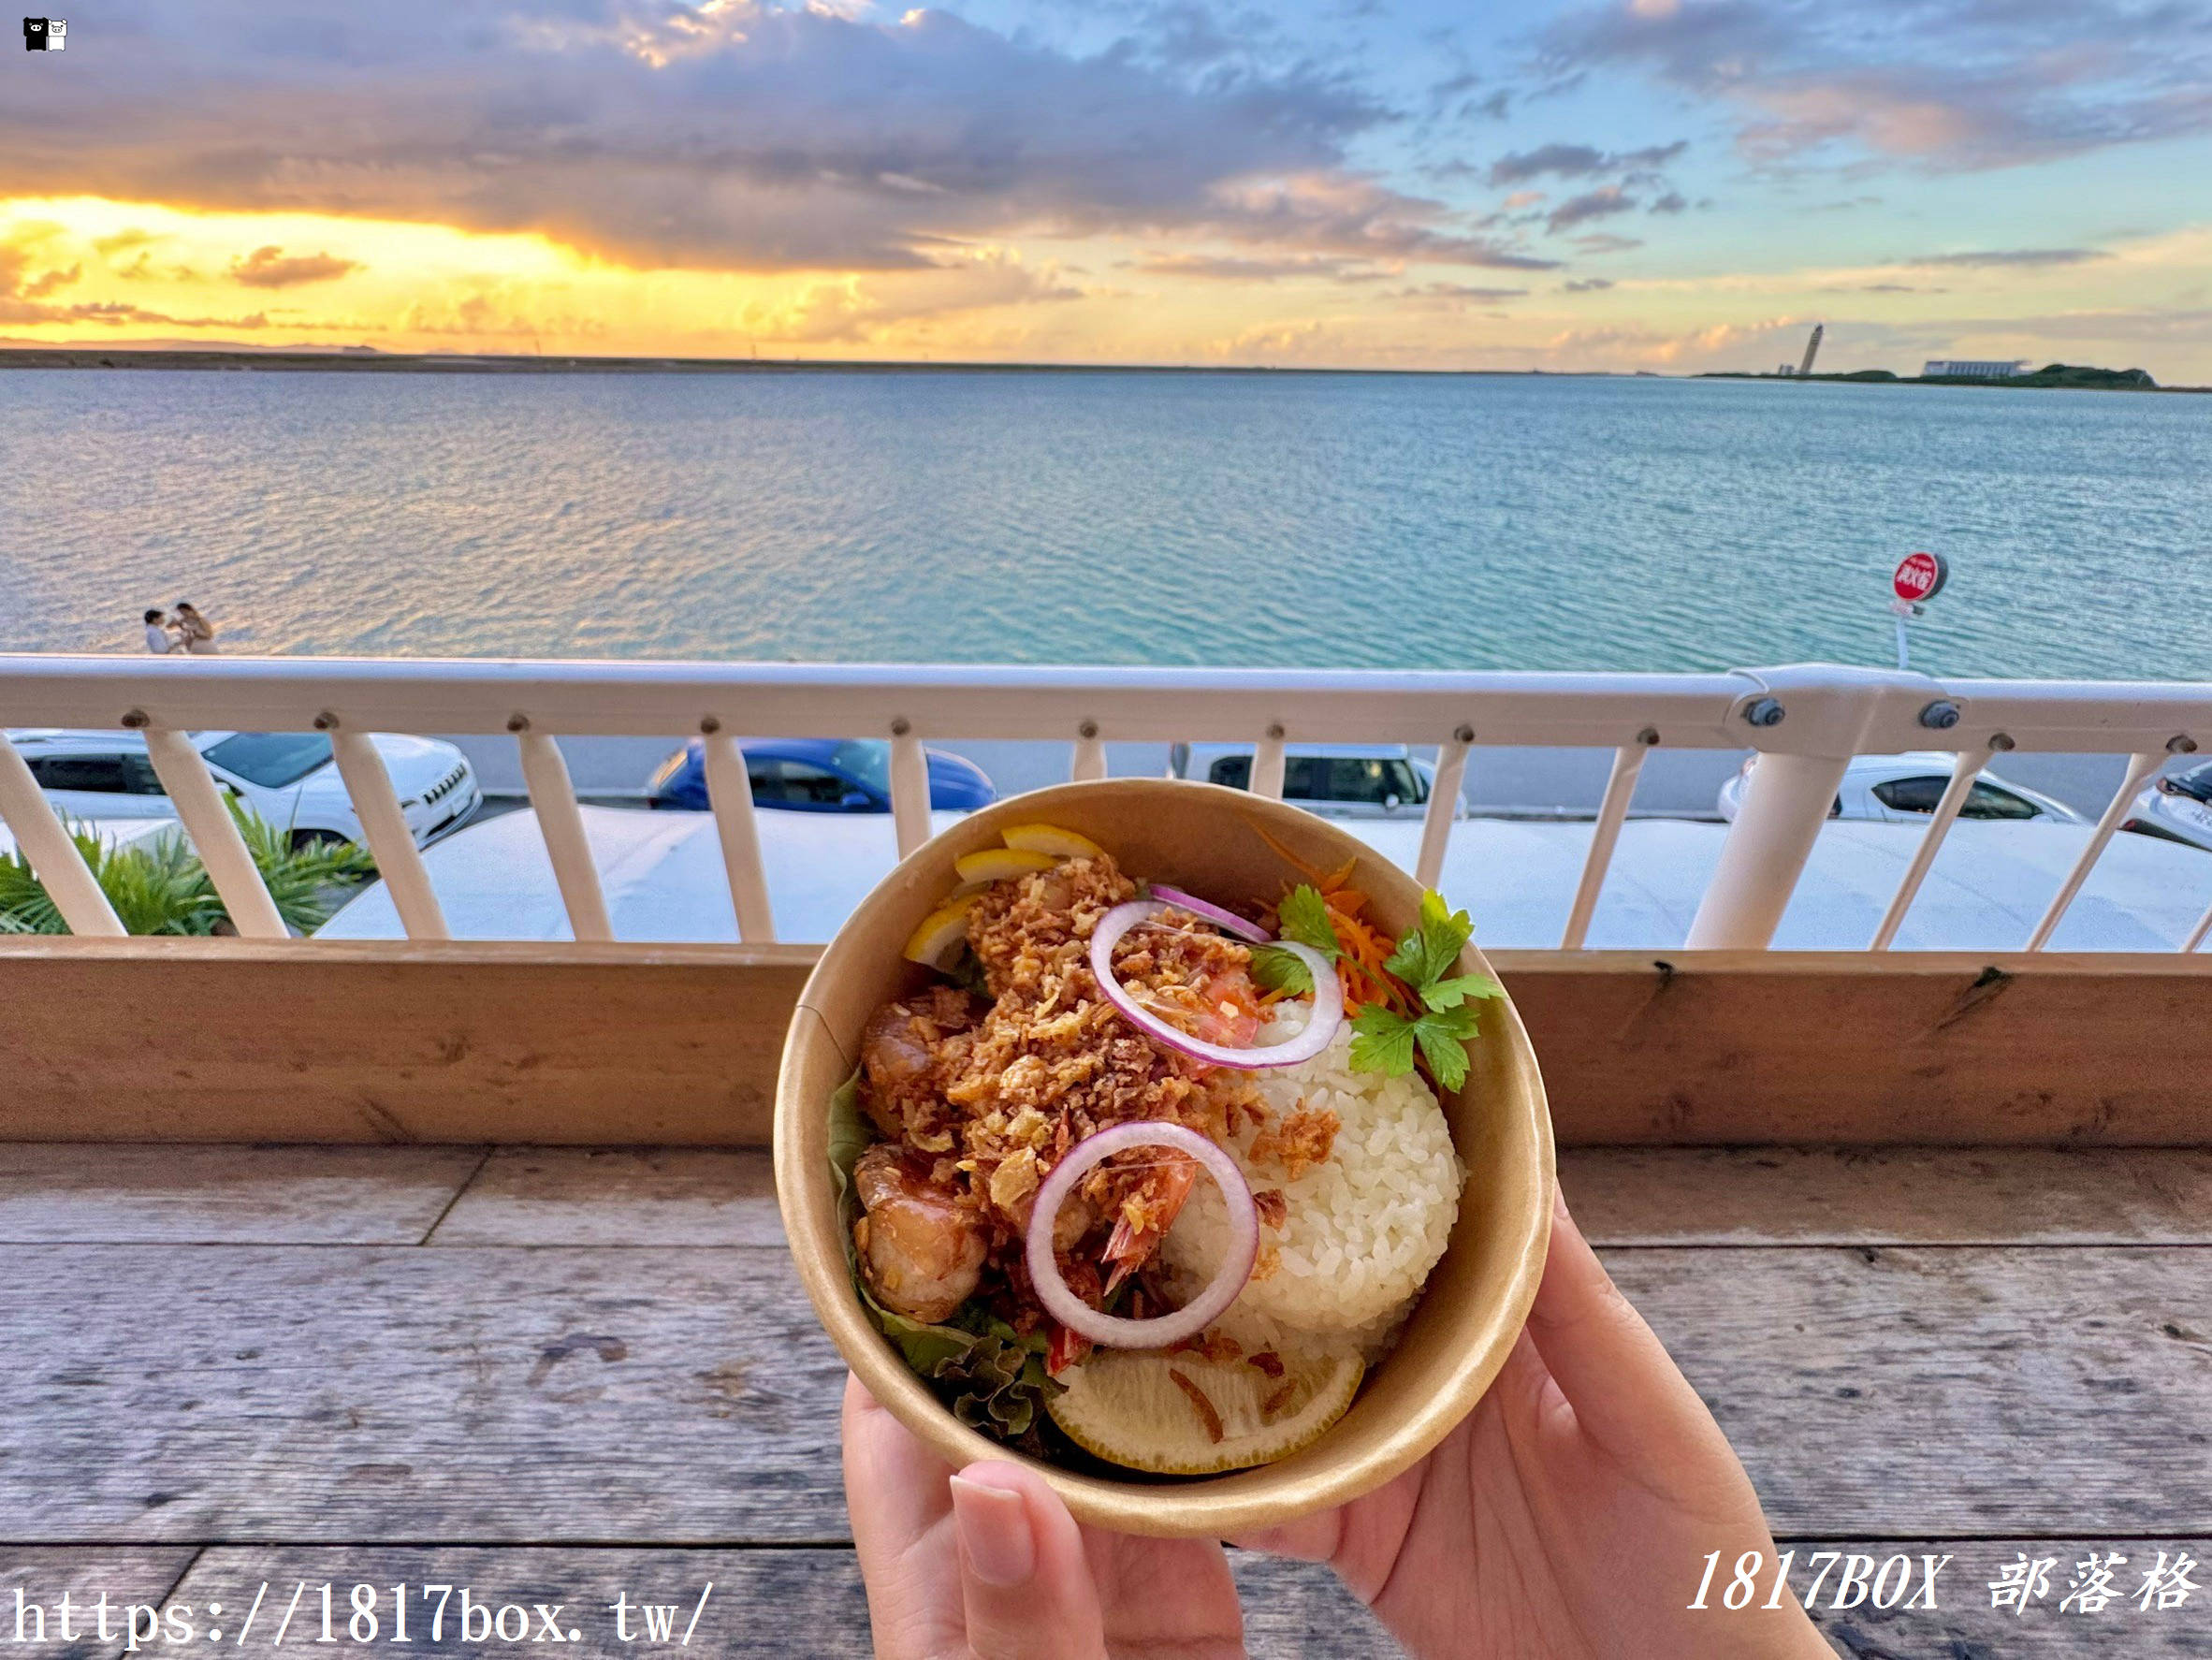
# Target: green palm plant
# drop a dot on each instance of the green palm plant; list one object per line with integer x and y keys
{"x": 307, "y": 877}
{"x": 162, "y": 888}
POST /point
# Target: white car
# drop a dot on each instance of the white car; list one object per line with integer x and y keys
{"x": 2178, "y": 807}
{"x": 1898, "y": 789}
{"x": 1333, "y": 780}
{"x": 288, "y": 778}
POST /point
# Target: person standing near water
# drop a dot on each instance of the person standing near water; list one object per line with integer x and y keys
{"x": 158, "y": 639}
{"x": 196, "y": 632}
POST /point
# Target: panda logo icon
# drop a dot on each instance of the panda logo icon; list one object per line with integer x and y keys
{"x": 44, "y": 33}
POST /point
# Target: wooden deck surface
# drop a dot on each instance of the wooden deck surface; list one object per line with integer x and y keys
{"x": 555, "y": 1373}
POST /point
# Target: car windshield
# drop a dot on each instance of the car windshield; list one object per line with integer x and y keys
{"x": 271, "y": 758}
{"x": 870, "y": 762}
{"x": 2196, "y": 782}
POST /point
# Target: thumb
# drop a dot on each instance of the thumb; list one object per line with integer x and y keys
{"x": 1025, "y": 1580}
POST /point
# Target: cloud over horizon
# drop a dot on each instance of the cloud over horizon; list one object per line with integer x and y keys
{"x": 738, "y": 135}
{"x": 1156, "y": 181}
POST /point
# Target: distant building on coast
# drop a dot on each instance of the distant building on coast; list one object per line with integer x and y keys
{"x": 1971, "y": 368}
{"x": 1811, "y": 350}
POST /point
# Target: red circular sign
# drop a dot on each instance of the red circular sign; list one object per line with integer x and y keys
{"x": 1919, "y": 575}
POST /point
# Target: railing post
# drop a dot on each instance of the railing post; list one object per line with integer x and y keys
{"x": 2198, "y": 934}
{"x": 1268, "y": 765}
{"x": 909, "y": 788}
{"x": 1444, "y": 807}
{"x": 560, "y": 821}
{"x": 729, "y": 793}
{"x": 1967, "y": 768}
{"x": 1785, "y": 802}
{"x": 1605, "y": 835}
{"x": 53, "y": 856}
{"x": 1090, "y": 755}
{"x": 391, "y": 843}
{"x": 214, "y": 835}
{"x": 2140, "y": 768}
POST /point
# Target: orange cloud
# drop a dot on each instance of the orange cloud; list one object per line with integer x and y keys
{"x": 272, "y": 267}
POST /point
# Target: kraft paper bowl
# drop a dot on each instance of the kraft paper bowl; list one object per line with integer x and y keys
{"x": 1202, "y": 838}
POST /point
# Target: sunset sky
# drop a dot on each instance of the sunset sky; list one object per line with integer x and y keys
{"x": 1666, "y": 184}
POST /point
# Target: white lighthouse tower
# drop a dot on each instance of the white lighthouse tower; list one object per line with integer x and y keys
{"x": 1811, "y": 350}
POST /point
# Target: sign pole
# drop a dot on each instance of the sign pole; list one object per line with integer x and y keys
{"x": 1918, "y": 577}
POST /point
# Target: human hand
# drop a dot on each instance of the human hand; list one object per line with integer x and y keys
{"x": 989, "y": 1564}
{"x": 1570, "y": 1514}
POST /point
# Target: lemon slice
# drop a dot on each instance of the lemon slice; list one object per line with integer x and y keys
{"x": 1129, "y": 1408}
{"x": 940, "y": 931}
{"x": 996, "y": 861}
{"x": 1051, "y": 839}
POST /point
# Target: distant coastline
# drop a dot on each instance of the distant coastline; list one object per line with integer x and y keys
{"x": 2058, "y": 377}
{"x": 454, "y": 363}
{"x": 353, "y": 360}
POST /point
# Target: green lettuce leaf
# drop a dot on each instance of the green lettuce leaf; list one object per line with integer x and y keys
{"x": 992, "y": 1379}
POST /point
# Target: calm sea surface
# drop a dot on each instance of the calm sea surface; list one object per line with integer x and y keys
{"x": 1254, "y": 519}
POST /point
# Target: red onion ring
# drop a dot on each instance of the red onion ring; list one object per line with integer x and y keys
{"x": 1321, "y": 1024}
{"x": 1228, "y": 922}
{"x": 1110, "y": 1331}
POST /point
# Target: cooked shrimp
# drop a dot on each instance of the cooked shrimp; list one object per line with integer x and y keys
{"x": 920, "y": 1245}
{"x": 900, "y": 1053}
{"x": 1146, "y": 1213}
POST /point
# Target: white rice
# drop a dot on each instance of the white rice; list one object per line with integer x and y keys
{"x": 1362, "y": 1229}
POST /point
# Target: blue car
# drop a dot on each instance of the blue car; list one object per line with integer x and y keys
{"x": 818, "y": 775}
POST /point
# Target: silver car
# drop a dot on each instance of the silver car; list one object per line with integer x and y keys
{"x": 2178, "y": 807}
{"x": 1901, "y": 788}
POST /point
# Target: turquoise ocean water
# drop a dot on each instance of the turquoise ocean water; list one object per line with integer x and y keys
{"x": 1358, "y": 521}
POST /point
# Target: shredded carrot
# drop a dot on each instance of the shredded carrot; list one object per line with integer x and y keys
{"x": 1359, "y": 971}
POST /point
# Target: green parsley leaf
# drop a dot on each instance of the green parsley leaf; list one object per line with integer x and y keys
{"x": 1452, "y": 994}
{"x": 1386, "y": 1042}
{"x": 1277, "y": 970}
{"x": 1443, "y": 1037}
{"x": 1428, "y": 953}
{"x": 1303, "y": 917}
{"x": 1382, "y": 1042}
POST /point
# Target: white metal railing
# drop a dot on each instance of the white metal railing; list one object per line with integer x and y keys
{"x": 1806, "y": 722}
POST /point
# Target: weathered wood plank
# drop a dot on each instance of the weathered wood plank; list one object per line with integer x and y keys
{"x": 1803, "y": 1047}
{"x": 660, "y": 1196}
{"x": 35, "y": 1579}
{"x": 491, "y": 1394}
{"x": 336, "y": 1042}
{"x": 127, "y": 1193}
{"x": 1684, "y": 1196}
{"x": 805, "y": 1601}
{"x": 1964, "y": 1625}
{"x": 407, "y": 1394}
{"x": 1624, "y": 1195}
{"x": 1950, "y": 1390}
{"x": 584, "y": 1046}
